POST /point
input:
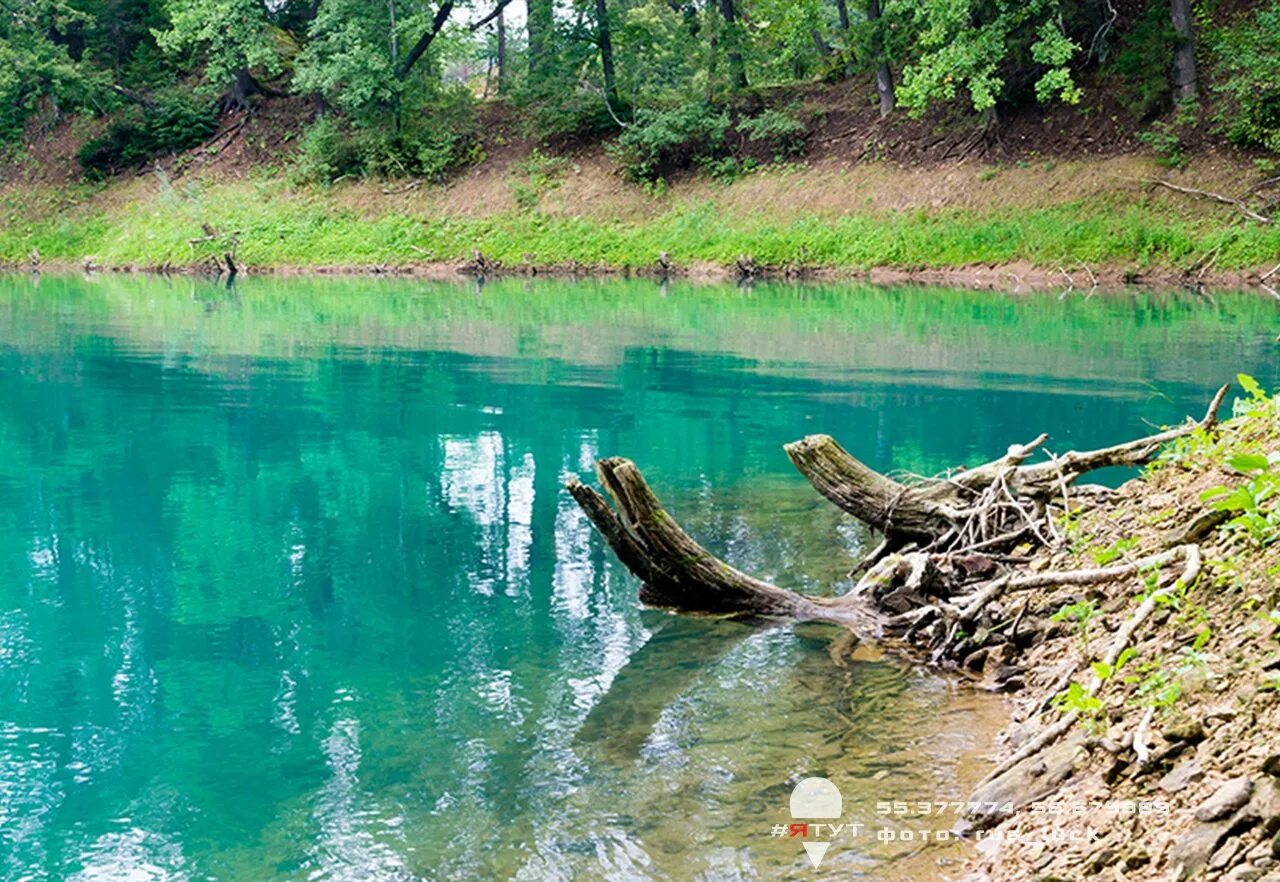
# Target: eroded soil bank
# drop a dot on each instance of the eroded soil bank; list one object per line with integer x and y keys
{"x": 1172, "y": 771}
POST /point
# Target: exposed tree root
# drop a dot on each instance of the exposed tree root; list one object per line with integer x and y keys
{"x": 928, "y": 596}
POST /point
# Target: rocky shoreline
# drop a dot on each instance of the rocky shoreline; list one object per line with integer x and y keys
{"x": 1135, "y": 629}
{"x": 1172, "y": 771}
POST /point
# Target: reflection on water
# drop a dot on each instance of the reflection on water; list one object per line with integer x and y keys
{"x": 289, "y": 588}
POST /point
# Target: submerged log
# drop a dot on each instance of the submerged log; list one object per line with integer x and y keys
{"x": 677, "y": 572}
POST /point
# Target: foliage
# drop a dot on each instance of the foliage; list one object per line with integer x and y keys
{"x": 228, "y": 35}
{"x": 533, "y": 177}
{"x": 171, "y": 125}
{"x": 971, "y": 46}
{"x": 1247, "y": 53}
{"x": 1078, "y": 699}
{"x": 34, "y": 62}
{"x": 574, "y": 114}
{"x": 663, "y": 141}
{"x": 348, "y": 58}
{"x": 1114, "y": 551}
{"x": 680, "y": 73}
{"x": 1165, "y": 136}
{"x": 326, "y": 153}
{"x": 428, "y": 145}
{"x": 1144, "y": 63}
{"x": 1255, "y": 514}
{"x": 1082, "y": 612}
{"x": 779, "y": 130}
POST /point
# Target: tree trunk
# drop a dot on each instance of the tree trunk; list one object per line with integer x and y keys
{"x": 737, "y": 66}
{"x": 1184, "y": 54}
{"x": 979, "y": 505}
{"x": 395, "y": 64}
{"x": 605, "y": 41}
{"x": 502, "y": 52}
{"x": 540, "y": 24}
{"x": 675, "y": 570}
{"x": 437, "y": 24}
{"x": 842, "y": 9}
{"x": 884, "y": 76}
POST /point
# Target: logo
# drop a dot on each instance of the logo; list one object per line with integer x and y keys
{"x": 815, "y": 798}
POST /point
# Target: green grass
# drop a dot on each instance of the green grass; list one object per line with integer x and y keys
{"x": 281, "y": 227}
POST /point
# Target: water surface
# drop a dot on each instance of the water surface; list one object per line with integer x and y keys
{"x": 290, "y": 590}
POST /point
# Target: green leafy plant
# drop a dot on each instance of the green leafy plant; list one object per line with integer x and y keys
{"x": 1250, "y": 501}
{"x": 1104, "y": 671}
{"x": 781, "y": 131}
{"x": 1082, "y": 612}
{"x": 663, "y": 141}
{"x": 1078, "y": 699}
{"x": 1156, "y": 687}
{"x": 1256, "y": 401}
{"x": 1166, "y": 143}
{"x": 1114, "y": 551}
{"x": 535, "y": 176}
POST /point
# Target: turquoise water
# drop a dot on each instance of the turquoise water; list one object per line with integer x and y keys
{"x": 290, "y": 590}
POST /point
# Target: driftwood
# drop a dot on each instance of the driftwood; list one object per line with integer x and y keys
{"x": 679, "y": 573}
{"x": 937, "y": 581}
{"x": 1238, "y": 204}
{"x": 983, "y": 508}
{"x": 958, "y": 523}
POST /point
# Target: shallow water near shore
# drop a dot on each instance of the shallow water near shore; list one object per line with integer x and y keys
{"x": 290, "y": 589}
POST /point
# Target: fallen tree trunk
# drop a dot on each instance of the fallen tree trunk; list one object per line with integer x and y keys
{"x": 1002, "y": 499}
{"x": 933, "y": 596}
{"x": 679, "y": 573}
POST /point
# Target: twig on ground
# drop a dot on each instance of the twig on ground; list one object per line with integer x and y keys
{"x": 1240, "y": 204}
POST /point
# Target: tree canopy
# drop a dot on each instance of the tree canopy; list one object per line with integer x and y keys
{"x": 400, "y": 78}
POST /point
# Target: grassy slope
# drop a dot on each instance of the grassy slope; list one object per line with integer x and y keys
{"x": 834, "y": 214}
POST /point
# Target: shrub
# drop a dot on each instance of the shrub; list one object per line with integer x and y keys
{"x": 779, "y": 130}
{"x": 325, "y": 153}
{"x": 429, "y": 144}
{"x": 1144, "y": 63}
{"x": 169, "y": 126}
{"x": 575, "y": 115}
{"x": 1247, "y": 55}
{"x": 663, "y": 141}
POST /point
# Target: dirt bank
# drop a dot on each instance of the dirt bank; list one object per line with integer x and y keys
{"x": 1173, "y": 772}
{"x": 1011, "y": 277}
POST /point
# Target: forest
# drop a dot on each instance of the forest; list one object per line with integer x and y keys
{"x": 396, "y": 87}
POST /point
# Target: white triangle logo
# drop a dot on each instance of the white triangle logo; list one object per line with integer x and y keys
{"x": 816, "y": 851}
